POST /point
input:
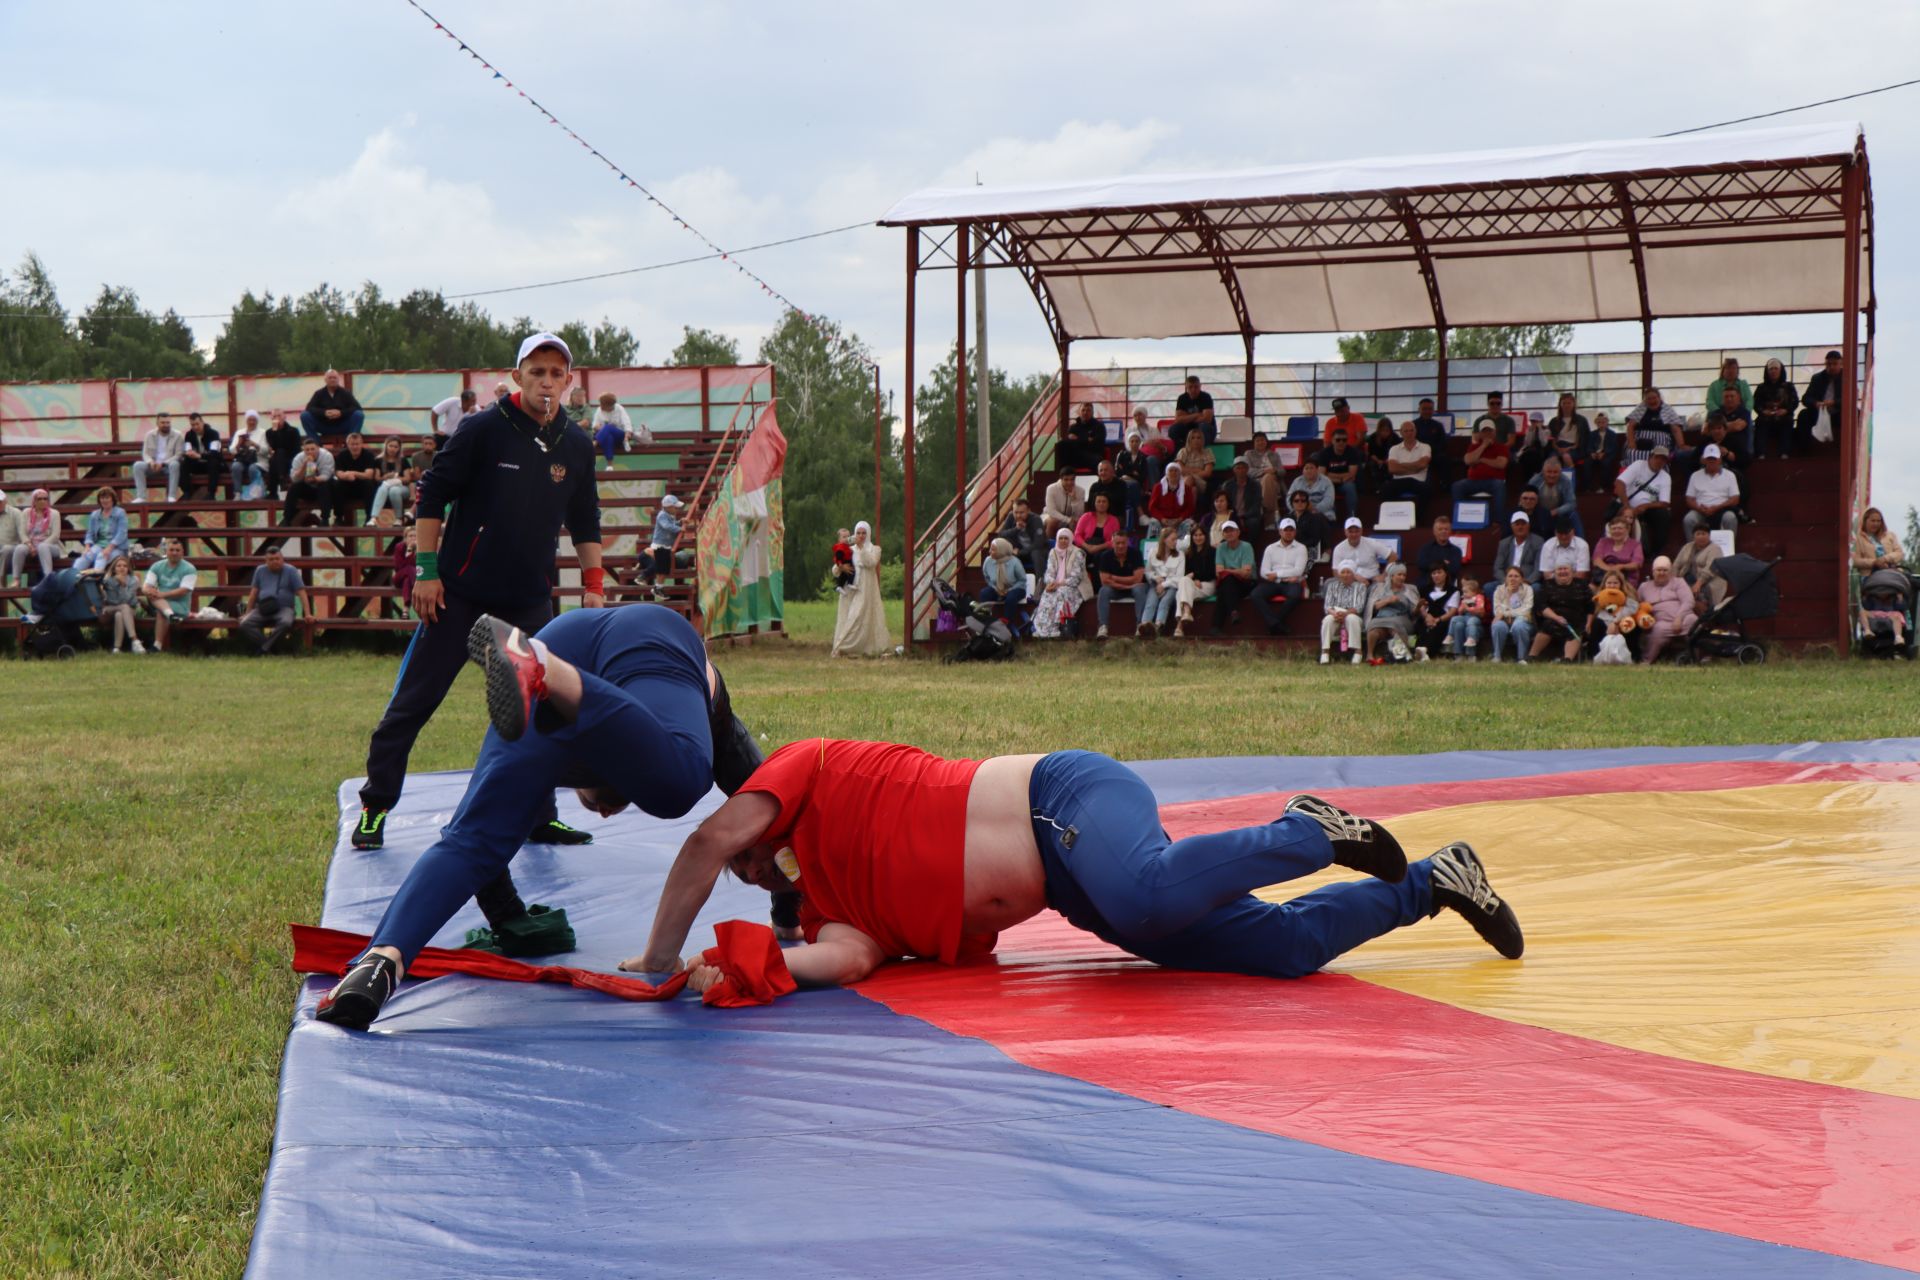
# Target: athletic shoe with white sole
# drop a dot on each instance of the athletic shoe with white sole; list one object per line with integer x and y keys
{"x": 1359, "y": 843}
{"x": 516, "y": 677}
{"x": 355, "y": 1000}
{"x": 1460, "y": 883}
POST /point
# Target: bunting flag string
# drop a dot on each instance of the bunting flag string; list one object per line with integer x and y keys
{"x": 827, "y": 330}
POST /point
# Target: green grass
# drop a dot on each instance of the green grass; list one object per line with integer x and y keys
{"x": 167, "y": 817}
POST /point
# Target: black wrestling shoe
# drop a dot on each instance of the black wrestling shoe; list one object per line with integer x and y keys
{"x": 1359, "y": 843}
{"x": 785, "y": 915}
{"x": 735, "y": 754}
{"x": 516, "y": 679}
{"x": 1460, "y": 883}
{"x": 371, "y": 831}
{"x": 355, "y": 1000}
{"x": 558, "y": 832}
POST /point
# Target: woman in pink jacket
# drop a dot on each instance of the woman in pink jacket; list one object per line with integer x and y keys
{"x": 1673, "y": 607}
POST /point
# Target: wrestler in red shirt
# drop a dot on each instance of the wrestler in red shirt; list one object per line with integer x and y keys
{"x": 898, "y": 853}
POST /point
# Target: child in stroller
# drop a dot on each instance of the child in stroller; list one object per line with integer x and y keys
{"x": 1886, "y": 614}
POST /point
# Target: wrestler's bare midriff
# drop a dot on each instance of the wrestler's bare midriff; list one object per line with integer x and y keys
{"x": 1005, "y": 881}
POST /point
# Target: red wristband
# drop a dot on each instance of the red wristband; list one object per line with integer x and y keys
{"x": 594, "y": 580}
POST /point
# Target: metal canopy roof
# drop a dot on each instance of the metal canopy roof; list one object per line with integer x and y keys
{"x": 1717, "y": 224}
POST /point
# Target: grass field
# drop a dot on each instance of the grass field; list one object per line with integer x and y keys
{"x": 167, "y": 817}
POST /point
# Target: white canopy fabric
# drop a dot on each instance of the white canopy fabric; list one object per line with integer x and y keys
{"x": 1712, "y": 224}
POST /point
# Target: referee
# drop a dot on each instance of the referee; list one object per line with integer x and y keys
{"x": 492, "y": 505}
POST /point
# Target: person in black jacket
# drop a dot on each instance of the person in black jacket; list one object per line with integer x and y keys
{"x": 283, "y": 445}
{"x": 1084, "y": 444}
{"x": 1774, "y": 403}
{"x": 332, "y": 411}
{"x": 201, "y": 461}
{"x": 1827, "y": 390}
{"x": 512, "y": 475}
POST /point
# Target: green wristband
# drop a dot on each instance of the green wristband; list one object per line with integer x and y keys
{"x": 427, "y": 566}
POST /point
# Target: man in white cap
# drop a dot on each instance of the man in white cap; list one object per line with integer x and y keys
{"x": 1519, "y": 550}
{"x": 1713, "y": 494}
{"x": 1283, "y": 577}
{"x": 1365, "y": 556}
{"x": 512, "y": 475}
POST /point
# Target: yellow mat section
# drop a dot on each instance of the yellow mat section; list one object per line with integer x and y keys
{"x": 1772, "y": 929}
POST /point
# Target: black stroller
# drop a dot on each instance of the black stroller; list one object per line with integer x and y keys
{"x": 984, "y": 634}
{"x": 1752, "y": 592}
{"x": 1886, "y": 591}
{"x": 64, "y": 605}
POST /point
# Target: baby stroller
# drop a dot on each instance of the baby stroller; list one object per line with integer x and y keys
{"x": 1886, "y": 591}
{"x": 1752, "y": 592}
{"x": 64, "y": 605}
{"x": 984, "y": 635}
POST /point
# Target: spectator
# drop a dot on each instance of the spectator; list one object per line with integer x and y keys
{"x": 840, "y": 569}
{"x": 13, "y": 532}
{"x": 1694, "y": 566}
{"x": 1520, "y": 549}
{"x": 1673, "y": 608}
{"x": 1006, "y": 582}
{"x": 1243, "y": 495}
{"x": 283, "y": 446}
{"x": 1028, "y": 535}
{"x": 356, "y": 478}
{"x": 310, "y": 480}
{"x": 1535, "y": 446}
{"x": 1729, "y": 380}
{"x": 1283, "y": 577}
{"x": 1200, "y": 581}
{"x": 1312, "y": 528}
{"x": 1095, "y": 528}
{"x": 1408, "y": 463}
{"x": 1379, "y": 445}
{"x": 1826, "y": 393}
{"x": 1107, "y": 481}
{"x": 119, "y": 594}
{"x": 1558, "y": 503}
{"x": 1433, "y": 433}
{"x": 1486, "y": 476}
{"x": 106, "y": 532}
{"x": 1345, "y": 423}
{"x": 1513, "y": 616}
{"x": 1130, "y": 468}
{"x": 1497, "y": 419}
{"x": 200, "y": 457}
{"x": 40, "y": 537}
{"x": 658, "y": 562}
{"x": 1263, "y": 468}
{"x": 611, "y": 428}
{"x": 1739, "y": 442}
{"x": 501, "y": 391}
{"x": 1344, "y": 598}
{"x": 332, "y": 410}
{"x": 1393, "y": 607}
{"x": 1363, "y": 553}
{"x": 406, "y": 567}
{"x": 1172, "y": 502}
{"x": 396, "y": 483}
{"x": 1165, "y": 568}
{"x": 448, "y": 414}
{"x": 1196, "y": 460}
{"x": 1221, "y": 511}
{"x": 860, "y": 627}
{"x": 278, "y": 589}
{"x": 1469, "y": 625}
{"x": 1193, "y": 411}
{"x": 1654, "y": 424}
{"x": 1620, "y": 551}
{"x": 1084, "y": 444}
{"x": 1342, "y": 462}
{"x": 1122, "y": 573}
{"x": 1571, "y": 438}
{"x": 1874, "y": 546}
{"x": 1882, "y": 615}
{"x": 1154, "y": 444}
{"x": 1063, "y": 588}
{"x": 1560, "y": 614}
{"x": 1528, "y": 504}
{"x": 1317, "y": 488}
{"x": 1064, "y": 504}
{"x": 1713, "y": 495}
{"x": 1567, "y": 548}
{"x": 168, "y": 588}
{"x": 1613, "y": 600}
{"x": 1438, "y": 608}
{"x": 1233, "y": 575}
{"x": 422, "y": 461}
{"x": 1774, "y": 402}
{"x": 245, "y": 475}
{"x": 1644, "y": 492}
{"x": 1441, "y": 552}
{"x": 159, "y": 451}
{"x": 578, "y": 410}
{"x": 1609, "y": 443}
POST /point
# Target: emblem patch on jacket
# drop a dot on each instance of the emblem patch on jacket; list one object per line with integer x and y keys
{"x": 559, "y": 472}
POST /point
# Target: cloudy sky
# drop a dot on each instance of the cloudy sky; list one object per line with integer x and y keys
{"x": 192, "y": 151}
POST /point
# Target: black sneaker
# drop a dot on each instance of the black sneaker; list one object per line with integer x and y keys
{"x": 1460, "y": 883}
{"x": 1358, "y": 843}
{"x": 355, "y": 1000}
{"x": 539, "y": 931}
{"x": 558, "y": 832}
{"x": 371, "y": 831}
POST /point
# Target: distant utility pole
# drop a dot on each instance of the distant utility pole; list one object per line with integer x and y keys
{"x": 982, "y": 398}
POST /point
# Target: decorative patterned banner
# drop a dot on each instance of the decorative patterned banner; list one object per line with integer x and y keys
{"x": 742, "y": 541}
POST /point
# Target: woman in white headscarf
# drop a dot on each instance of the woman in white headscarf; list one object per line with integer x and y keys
{"x": 1063, "y": 587}
{"x": 860, "y": 629}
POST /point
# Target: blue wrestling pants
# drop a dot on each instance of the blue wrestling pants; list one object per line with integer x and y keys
{"x": 1188, "y": 904}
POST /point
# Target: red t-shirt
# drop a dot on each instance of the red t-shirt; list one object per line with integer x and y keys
{"x": 879, "y": 831}
{"x": 1492, "y": 464}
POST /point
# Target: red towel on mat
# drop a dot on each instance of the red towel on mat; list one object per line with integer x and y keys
{"x": 747, "y": 954}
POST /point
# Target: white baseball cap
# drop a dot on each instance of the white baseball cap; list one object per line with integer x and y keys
{"x": 539, "y": 340}
{"x": 1288, "y": 523}
{"x": 1519, "y": 517}
{"x": 1353, "y": 522}
{"x": 1226, "y": 525}
{"x": 1711, "y": 451}
{"x": 671, "y": 501}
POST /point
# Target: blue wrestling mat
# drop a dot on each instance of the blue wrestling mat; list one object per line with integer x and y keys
{"x": 1065, "y": 1111}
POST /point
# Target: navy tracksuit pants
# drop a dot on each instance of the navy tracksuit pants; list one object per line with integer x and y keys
{"x": 1188, "y": 904}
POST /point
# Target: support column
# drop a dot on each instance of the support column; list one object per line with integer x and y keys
{"x": 1852, "y": 190}
{"x": 962, "y": 244}
{"x": 1248, "y": 338}
{"x": 1631, "y": 225}
{"x": 879, "y": 444}
{"x": 906, "y": 457}
{"x": 1440, "y": 388}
